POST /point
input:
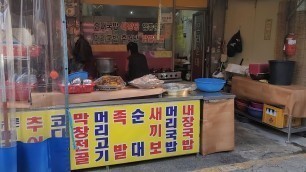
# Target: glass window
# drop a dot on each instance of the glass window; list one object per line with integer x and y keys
{"x": 117, "y": 25}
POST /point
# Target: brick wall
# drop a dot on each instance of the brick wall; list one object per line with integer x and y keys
{"x": 296, "y": 25}
{"x": 299, "y": 28}
{"x": 281, "y": 31}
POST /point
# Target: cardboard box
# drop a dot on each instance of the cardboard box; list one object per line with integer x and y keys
{"x": 275, "y": 116}
{"x": 217, "y": 127}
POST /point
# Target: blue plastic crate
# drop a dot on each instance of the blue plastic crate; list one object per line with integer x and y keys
{"x": 82, "y": 75}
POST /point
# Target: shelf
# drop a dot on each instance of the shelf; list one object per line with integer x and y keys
{"x": 21, "y": 58}
{"x": 18, "y": 58}
{"x": 285, "y": 130}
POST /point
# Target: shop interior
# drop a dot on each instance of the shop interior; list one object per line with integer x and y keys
{"x": 173, "y": 52}
{"x": 130, "y": 20}
{"x": 184, "y": 45}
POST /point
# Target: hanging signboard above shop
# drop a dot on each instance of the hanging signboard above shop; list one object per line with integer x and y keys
{"x": 104, "y": 30}
{"x": 118, "y": 25}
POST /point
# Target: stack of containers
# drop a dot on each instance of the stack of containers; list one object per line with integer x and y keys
{"x": 241, "y": 104}
{"x": 256, "y": 110}
{"x": 259, "y": 71}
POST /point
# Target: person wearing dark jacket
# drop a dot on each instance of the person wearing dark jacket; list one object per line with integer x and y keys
{"x": 137, "y": 63}
{"x": 83, "y": 55}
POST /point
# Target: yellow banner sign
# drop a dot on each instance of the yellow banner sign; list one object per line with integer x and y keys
{"x": 37, "y": 126}
{"x": 109, "y": 135}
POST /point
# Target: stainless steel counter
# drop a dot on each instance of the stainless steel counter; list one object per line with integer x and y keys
{"x": 204, "y": 95}
{"x": 195, "y": 95}
{"x": 215, "y": 95}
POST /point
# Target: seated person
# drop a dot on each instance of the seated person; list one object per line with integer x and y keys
{"x": 137, "y": 63}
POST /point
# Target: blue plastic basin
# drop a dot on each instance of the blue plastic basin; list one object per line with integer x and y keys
{"x": 209, "y": 84}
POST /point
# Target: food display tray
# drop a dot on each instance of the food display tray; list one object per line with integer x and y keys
{"x": 108, "y": 88}
{"x": 109, "y": 83}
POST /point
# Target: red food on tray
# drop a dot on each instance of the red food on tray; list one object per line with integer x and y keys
{"x": 78, "y": 89}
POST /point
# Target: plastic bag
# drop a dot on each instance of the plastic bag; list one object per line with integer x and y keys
{"x": 234, "y": 45}
{"x": 26, "y": 79}
{"x": 147, "y": 82}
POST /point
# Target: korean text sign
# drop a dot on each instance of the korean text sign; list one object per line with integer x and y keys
{"x": 109, "y": 135}
{"x": 119, "y": 134}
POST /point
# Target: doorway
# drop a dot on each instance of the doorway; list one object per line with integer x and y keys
{"x": 189, "y": 43}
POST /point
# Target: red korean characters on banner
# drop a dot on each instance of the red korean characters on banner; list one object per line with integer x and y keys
{"x": 188, "y": 126}
{"x": 156, "y": 116}
{"x": 156, "y": 130}
{"x": 120, "y": 116}
{"x": 34, "y": 124}
{"x": 81, "y": 138}
{"x": 120, "y": 151}
{"x": 130, "y": 26}
{"x": 152, "y": 39}
{"x": 155, "y": 148}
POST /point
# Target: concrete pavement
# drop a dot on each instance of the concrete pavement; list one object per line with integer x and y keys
{"x": 258, "y": 148}
{"x": 293, "y": 163}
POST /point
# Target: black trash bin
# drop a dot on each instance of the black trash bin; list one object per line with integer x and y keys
{"x": 281, "y": 72}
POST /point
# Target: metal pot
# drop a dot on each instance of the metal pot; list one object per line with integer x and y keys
{"x": 105, "y": 65}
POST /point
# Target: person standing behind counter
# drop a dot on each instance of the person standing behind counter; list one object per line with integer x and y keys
{"x": 137, "y": 63}
{"x": 82, "y": 57}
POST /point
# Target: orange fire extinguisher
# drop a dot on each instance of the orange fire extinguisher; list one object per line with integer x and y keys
{"x": 290, "y": 45}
